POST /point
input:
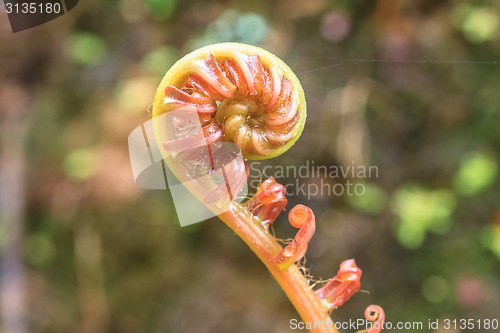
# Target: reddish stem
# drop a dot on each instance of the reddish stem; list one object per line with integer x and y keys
{"x": 292, "y": 281}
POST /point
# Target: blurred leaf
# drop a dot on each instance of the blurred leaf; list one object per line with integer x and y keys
{"x": 133, "y": 10}
{"x": 158, "y": 61}
{"x": 419, "y": 211}
{"x": 410, "y": 235}
{"x": 142, "y": 89}
{"x": 224, "y": 25}
{"x": 85, "y": 48}
{"x": 478, "y": 24}
{"x": 80, "y": 164}
{"x": 477, "y": 172}
{"x": 233, "y": 26}
{"x": 490, "y": 238}
{"x": 251, "y": 28}
{"x": 435, "y": 289}
{"x": 40, "y": 249}
{"x": 372, "y": 201}
{"x": 161, "y": 9}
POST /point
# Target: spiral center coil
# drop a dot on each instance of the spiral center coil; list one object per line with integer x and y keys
{"x": 241, "y": 100}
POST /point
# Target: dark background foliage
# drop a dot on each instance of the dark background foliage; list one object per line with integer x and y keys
{"x": 406, "y": 86}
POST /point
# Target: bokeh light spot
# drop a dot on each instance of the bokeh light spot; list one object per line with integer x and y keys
{"x": 40, "y": 249}
{"x": 133, "y": 11}
{"x": 490, "y": 238}
{"x": 80, "y": 164}
{"x": 251, "y": 28}
{"x": 142, "y": 92}
{"x": 469, "y": 291}
{"x": 372, "y": 201}
{"x": 477, "y": 172}
{"x": 158, "y": 61}
{"x": 335, "y": 27}
{"x": 161, "y": 9}
{"x": 420, "y": 211}
{"x": 85, "y": 48}
{"x": 435, "y": 289}
{"x": 478, "y": 24}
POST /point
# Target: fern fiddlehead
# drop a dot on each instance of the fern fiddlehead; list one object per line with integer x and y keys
{"x": 241, "y": 94}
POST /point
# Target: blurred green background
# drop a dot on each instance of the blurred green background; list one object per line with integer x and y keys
{"x": 85, "y": 250}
